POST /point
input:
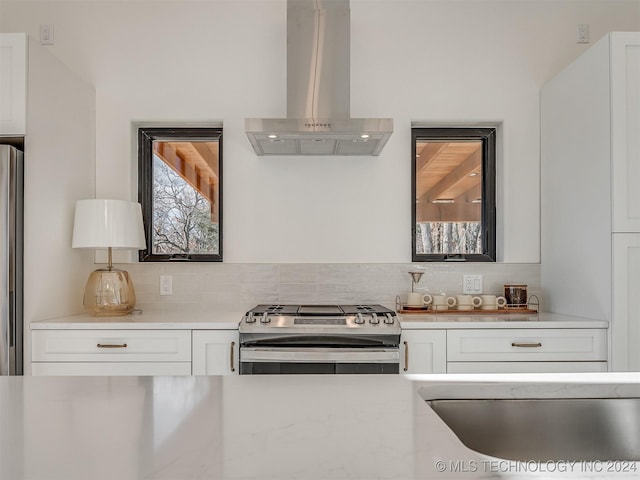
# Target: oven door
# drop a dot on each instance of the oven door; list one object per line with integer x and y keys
{"x": 313, "y": 360}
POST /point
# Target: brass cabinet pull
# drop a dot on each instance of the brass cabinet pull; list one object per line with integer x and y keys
{"x": 233, "y": 344}
{"x": 526, "y": 345}
{"x": 111, "y": 345}
{"x": 406, "y": 356}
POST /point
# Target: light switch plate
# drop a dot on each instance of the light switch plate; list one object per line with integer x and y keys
{"x": 471, "y": 284}
{"x": 46, "y": 34}
{"x": 583, "y": 33}
{"x": 166, "y": 285}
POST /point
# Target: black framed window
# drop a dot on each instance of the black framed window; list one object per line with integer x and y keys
{"x": 180, "y": 190}
{"x": 453, "y": 194}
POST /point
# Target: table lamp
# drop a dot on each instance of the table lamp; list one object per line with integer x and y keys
{"x": 108, "y": 224}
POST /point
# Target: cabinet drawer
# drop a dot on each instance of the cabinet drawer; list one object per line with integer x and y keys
{"x": 111, "y": 346}
{"x": 527, "y": 345}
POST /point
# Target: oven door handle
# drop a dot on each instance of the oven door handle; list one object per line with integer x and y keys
{"x": 319, "y": 355}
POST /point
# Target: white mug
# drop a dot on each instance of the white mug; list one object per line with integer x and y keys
{"x": 440, "y": 307}
{"x": 468, "y": 301}
{"x": 442, "y": 302}
{"x": 492, "y": 302}
{"x": 415, "y": 299}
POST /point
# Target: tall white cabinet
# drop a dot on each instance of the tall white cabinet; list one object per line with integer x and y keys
{"x": 13, "y": 84}
{"x": 590, "y": 191}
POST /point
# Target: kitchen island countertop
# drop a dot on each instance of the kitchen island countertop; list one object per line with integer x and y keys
{"x": 258, "y": 427}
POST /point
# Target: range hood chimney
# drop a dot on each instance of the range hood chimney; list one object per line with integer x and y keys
{"x": 318, "y": 84}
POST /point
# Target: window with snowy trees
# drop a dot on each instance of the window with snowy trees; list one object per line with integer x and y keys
{"x": 180, "y": 190}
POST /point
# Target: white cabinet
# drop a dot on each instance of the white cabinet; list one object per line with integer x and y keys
{"x": 70, "y": 346}
{"x": 215, "y": 352}
{"x": 153, "y": 351}
{"x": 624, "y": 67}
{"x": 590, "y": 172}
{"x": 526, "y": 350}
{"x": 625, "y": 345}
{"x": 563, "y": 345}
{"x": 13, "y": 84}
{"x": 111, "y": 352}
{"x": 423, "y": 351}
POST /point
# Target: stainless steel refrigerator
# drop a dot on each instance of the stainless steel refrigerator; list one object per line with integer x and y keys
{"x": 11, "y": 284}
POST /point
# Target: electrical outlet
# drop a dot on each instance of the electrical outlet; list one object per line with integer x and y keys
{"x": 166, "y": 285}
{"x": 471, "y": 284}
{"x": 46, "y": 34}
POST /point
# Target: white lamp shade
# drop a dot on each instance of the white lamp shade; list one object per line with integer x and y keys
{"x": 108, "y": 223}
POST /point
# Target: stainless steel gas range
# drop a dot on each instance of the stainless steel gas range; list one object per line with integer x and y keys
{"x": 328, "y": 339}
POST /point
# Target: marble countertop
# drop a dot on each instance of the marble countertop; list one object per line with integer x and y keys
{"x": 256, "y": 427}
{"x": 225, "y": 319}
{"x": 214, "y": 320}
{"x": 502, "y": 320}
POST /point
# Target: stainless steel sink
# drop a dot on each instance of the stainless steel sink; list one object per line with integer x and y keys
{"x": 555, "y": 429}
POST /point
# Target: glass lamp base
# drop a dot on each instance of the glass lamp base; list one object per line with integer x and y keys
{"x": 109, "y": 293}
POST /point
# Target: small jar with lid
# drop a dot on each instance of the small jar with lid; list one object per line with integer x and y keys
{"x": 516, "y": 295}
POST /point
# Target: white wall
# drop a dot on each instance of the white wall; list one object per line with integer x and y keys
{"x": 428, "y": 61}
{"x": 59, "y": 169}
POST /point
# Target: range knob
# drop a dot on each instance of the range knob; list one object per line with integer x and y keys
{"x": 265, "y": 318}
{"x": 374, "y": 320}
{"x": 250, "y": 319}
{"x": 359, "y": 319}
{"x": 388, "y": 319}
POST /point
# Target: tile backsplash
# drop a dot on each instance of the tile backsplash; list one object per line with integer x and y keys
{"x": 227, "y": 286}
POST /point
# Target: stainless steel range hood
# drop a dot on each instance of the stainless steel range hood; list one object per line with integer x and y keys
{"x": 318, "y": 84}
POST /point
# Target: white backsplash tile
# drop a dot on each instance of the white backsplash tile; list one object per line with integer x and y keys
{"x": 298, "y": 273}
{"x": 338, "y": 288}
{"x": 225, "y": 274}
{"x": 259, "y": 272}
{"x": 201, "y": 286}
{"x": 182, "y": 308}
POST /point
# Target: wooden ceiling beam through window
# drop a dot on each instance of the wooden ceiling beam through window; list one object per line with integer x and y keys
{"x": 443, "y": 171}
{"x": 445, "y": 188}
{"x": 209, "y": 155}
{"x": 428, "y": 153}
{"x": 193, "y": 161}
{"x": 471, "y": 194}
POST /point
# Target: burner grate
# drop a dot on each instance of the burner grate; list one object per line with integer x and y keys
{"x": 319, "y": 309}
